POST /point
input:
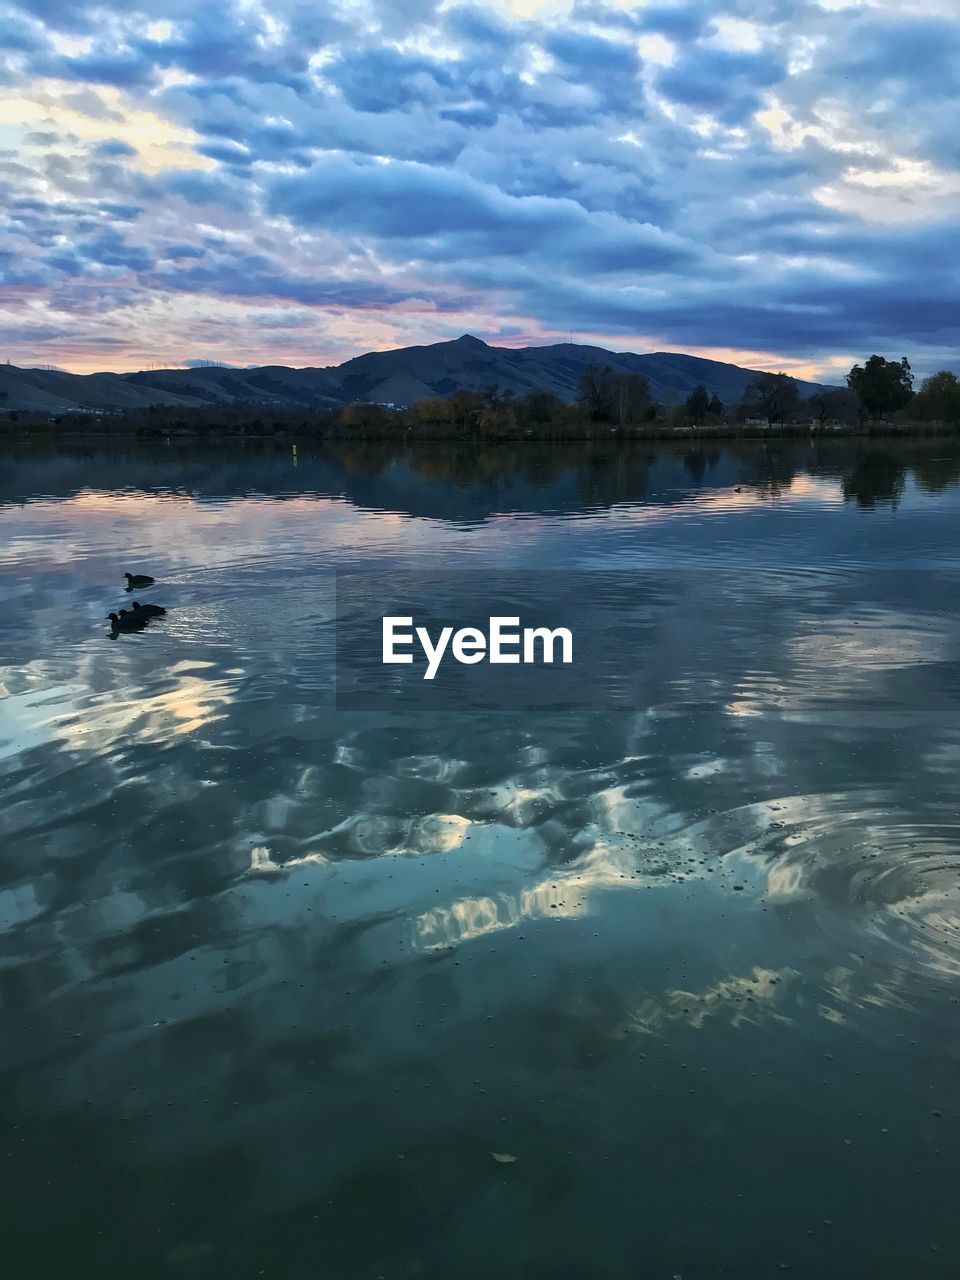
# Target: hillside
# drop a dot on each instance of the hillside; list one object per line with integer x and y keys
{"x": 399, "y": 377}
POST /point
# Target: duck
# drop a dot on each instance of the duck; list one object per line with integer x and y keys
{"x": 148, "y": 610}
{"x": 124, "y": 621}
{"x": 138, "y": 580}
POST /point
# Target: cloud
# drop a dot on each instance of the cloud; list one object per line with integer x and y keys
{"x": 773, "y": 175}
{"x": 111, "y": 249}
{"x": 443, "y": 214}
{"x": 592, "y": 56}
{"x": 386, "y": 79}
{"x": 472, "y": 25}
{"x": 122, "y": 212}
{"x": 88, "y": 102}
{"x": 125, "y": 68}
{"x": 728, "y": 85}
{"x": 114, "y": 147}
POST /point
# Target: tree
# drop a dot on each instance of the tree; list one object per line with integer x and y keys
{"x": 698, "y": 405}
{"x": 938, "y": 400}
{"x": 434, "y": 409}
{"x": 884, "y": 386}
{"x": 773, "y": 396}
{"x": 495, "y": 399}
{"x": 607, "y": 396}
{"x": 540, "y": 406}
{"x": 595, "y": 392}
{"x": 467, "y": 407}
{"x": 361, "y": 414}
{"x": 834, "y": 404}
{"x": 715, "y": 406}
{"x": 499, "y": 420}
{"x": 631, "y": 396}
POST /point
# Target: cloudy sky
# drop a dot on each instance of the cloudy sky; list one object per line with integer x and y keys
{"x": 771, "y": 181}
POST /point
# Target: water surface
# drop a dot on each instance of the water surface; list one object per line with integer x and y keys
{"x": 668, "y": 989}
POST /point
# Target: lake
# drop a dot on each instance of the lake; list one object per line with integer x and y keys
{"x": 664, "y": 984}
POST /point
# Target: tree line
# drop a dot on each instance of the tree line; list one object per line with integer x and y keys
{"x": 875, "y": 390}
{"x": 610, "y": 397}
{"x": 607, "y": 400}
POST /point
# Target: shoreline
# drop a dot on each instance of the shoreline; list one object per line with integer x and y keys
{"x": 421, "y": 434}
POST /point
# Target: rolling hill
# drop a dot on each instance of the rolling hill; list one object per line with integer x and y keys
{"x": 397, "y": 377}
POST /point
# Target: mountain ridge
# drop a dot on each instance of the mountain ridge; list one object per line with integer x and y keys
{"x": 399, "y": 376}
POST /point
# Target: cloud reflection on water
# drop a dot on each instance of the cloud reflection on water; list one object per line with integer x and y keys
{"x": 218, "y": 888}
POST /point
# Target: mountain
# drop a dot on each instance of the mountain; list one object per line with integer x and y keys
{"x": 390, "y": 377}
